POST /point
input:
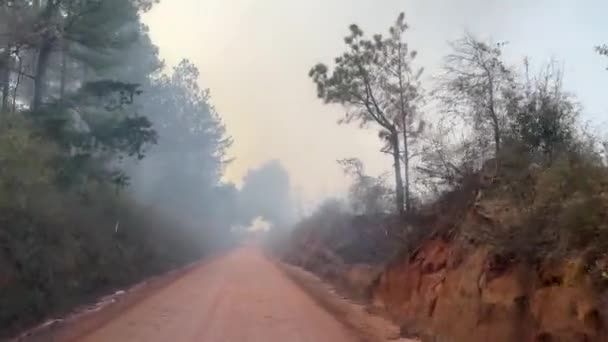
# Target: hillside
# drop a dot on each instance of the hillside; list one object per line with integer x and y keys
{"x": 482, "y": 263}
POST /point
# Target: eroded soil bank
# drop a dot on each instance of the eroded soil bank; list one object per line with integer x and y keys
{"x": 469, "y": 295}
{"x": 459, "y": 270}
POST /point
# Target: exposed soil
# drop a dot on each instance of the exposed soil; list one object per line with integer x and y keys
{"x": 241, "y": 296}
{"x": 369, "y": 326}
{"x": 444, "y": 291}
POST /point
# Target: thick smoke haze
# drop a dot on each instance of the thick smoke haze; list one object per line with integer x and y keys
{"x": 266, "y": 193}
{"x": 139, "y": 136}
{"x": 255, "y": 55}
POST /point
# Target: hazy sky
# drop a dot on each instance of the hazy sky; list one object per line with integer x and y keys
{"x": 254, "y": 55}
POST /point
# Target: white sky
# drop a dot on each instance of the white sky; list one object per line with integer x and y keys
{"x": 254, "y": 55}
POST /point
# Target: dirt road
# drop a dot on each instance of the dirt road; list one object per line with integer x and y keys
{"x": 239, "y": 297}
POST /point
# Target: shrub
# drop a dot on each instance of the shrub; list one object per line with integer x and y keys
{"x": 60, "y": 246}
{"x": 550, "y": 211}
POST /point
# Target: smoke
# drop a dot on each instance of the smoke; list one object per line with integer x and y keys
{"x": 181, "y": 176}
{"x": 266, "y": 192}
{"x": 258, "y": 224}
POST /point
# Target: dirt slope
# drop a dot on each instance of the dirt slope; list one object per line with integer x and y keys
{"x": 239, "y": 297}
{"x": 468, "y": 296}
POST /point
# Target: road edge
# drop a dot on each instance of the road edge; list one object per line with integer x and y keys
{"x": 354, "y": 317}
{"x": 92, "y": 316}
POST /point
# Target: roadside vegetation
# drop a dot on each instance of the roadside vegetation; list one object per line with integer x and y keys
{"x": 505, "y": 132}
{"x": 110, "y": 162}
{"x": 487, "y": 156}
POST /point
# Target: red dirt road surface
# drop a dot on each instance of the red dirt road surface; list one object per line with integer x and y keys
{"x": 239, "y": 297}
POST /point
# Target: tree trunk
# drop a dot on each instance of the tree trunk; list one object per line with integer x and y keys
{"x": 85, "y": 73}
{"x": 64, "y": 63}
{"x": 496, "y": 136}
{"x": 493, "y": 115}
{"x": 406, "y": 154}
{"x": 406, "y": 166}
{"x": 44, "y": 50}
{"x": 42, "y": 64}
{"x": 5, "y": 79}
{"x": 397, "y": 165}
{"x": 17, "y": 83}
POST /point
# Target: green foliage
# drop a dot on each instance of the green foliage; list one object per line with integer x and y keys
{"x": 25, "y": 162}
{"x": 570, "y": 191}
{"x": 552, "y": 210}
{"x": 99, "y": 30}
{"x": 374, "y": 79}
{"x": 89, "y": 103}
{"x": 543, "y": 117}
{"x": 93, "y": 128}
{"x": 63, "y": 245}
{"x": 542, "y": 193}
{"x": 376, "y": 83}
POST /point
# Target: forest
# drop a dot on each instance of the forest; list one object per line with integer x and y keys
{"x": 111, "y": 163}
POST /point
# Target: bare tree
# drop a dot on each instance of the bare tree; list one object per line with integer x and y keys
{"x": 473, "y": 85}
{"x": 368, "y": 195}
{"x": 543, "y": 116}
{"x": 448, "y": 156}
{"x": 5, "y": 74}
{"x": 371, "y": 80}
